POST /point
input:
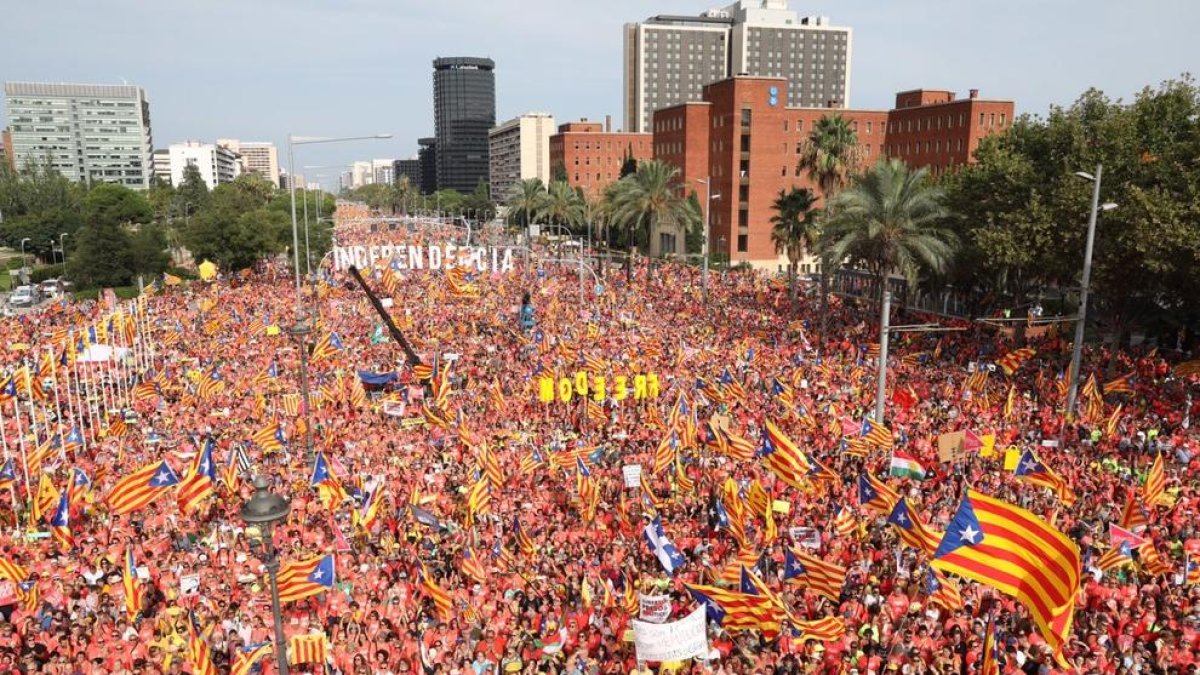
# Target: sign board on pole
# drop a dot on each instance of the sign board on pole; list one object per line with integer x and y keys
{"x": 654, "y": 608}
{"x": 675, "y": 641}
{"x": 950, "y": 446}
{"x": 632, "y": 474}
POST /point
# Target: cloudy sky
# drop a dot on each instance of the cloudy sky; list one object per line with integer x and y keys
{"x": 261, "y": 69}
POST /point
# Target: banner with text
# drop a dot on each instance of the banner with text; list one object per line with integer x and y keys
{"x": 675, "y": 641}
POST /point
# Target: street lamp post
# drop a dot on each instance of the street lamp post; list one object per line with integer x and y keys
{"x": 1081, "y": 321}
{"x": 300, "y": 332}
{"x": 23, "y": 252}
{"x": 264, "y": 509}
{"x": 881, "y": 383}
{"x": 63, "y": 250}
{"x": 708, "y": 199}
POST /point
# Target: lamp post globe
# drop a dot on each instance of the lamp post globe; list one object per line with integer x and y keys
{"x": 264, "y": 509}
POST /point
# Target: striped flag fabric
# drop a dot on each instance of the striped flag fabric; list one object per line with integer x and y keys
{"x": 441, "y": 599}
{"x": 879, "y": 435}
{"x": 80, "y": 485}
{"x": 1113, "y": 423}
{"x": 8, "y": 475}
{"x": 874, "y": 494}
{"x": 747, "y": 557}
{"x": 269, "y": 438}
{"x": 305, "y": 578}
{"x": 1133, "y": 516}
{"x": 248, "y": 657}
{"x": 313, "y": 648}
{"x": 524, "y": 542}
{"x": 845, "y": 524}
{"x": 326, "y": 347}
{"x": 29, "y": 595}
{"x": 1191, "y": 571}
{"x": 530, "y": 463}
{"x": 472, "y": 567}
{"x": 589, "y": 492}
{"x": 1121, "y": 554}
{"x": 737, "y": 447}
{"x": 904, "y": 465}
{"x": 1154, "y": 492}
{"x": 989, "y": 660}
{"x": 821, "y": 577}
{"x": 1010, "y": 549}
{"x": 198, "y": 650}
{"x": 11, "y": 571}
{"x": 201, "y": 480}
{"x": 827, "y": 629}
{"x": 943, "y": 591}
{"x": 1013, "y": 360}
{"x": 782, "y": 457}
{"x": 60, "y": 523}
{"x": 1121, "y": 385}
{"x": 737, "y": 611}
{"x": 912, "y": 528}
{"x": 1032, "y": 470}
{"x": 479, "y": 498}
{"x": 141, "y": 487}
{"x": 667, "y": 450}
{"x": 1152, "y": 563}
{"x": 133, "y": 597}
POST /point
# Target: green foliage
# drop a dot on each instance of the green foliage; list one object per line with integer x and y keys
{"x": 693, "y": 238}
{"x": 648, "y": 202}
{"x": 36, "y": 188}
{"x": 890, "y": 219}
{"x": 1021, "y": 212}
{"x": 478, "y": 205}
{"x": 629, "y": 165}
{"x": 191, "y": 195}
{"x": 527, "y": 202}
{"x": 562, "y": 206}
{"x": 147, "y": 247}
{"x": 558, "y": 172}
{"x": 112, "y": 204}
{"x": 794, "y": 230}
{"x": 831, "y": 154}
{"x": 236, "y": 229}
{"x": 101, "y": 257}
{"x": 122, "y": 292}
{"x": 41, "y": 228}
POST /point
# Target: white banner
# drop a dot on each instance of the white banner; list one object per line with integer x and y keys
{"x": 402, "y": 258}
{"x": 632, "y": 474}
{"x": 654, "y": 608}
{"x": 675, "y": 641}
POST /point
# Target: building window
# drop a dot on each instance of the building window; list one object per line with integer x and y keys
{"x": 785, "y": 125}
{"x": 1003, "y": 119}
{"x": 868, "y": 133}
{"x": 743, "y": 243}
{"x": 745, "y": 117}
{"x": 992, "y": 120}
{"x": 980, "y": 119}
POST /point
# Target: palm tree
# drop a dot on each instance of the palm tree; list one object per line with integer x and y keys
{"x": 527, "y": 202}
{"x": 890, "y": 218}
{"x": 829, "y": 157}
{"x": 795, "y": 231}
{"x": 563, "y": 205}
{"x": 649, "y": 201}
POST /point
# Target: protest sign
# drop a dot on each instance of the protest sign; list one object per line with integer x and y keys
{"x": 654, "y": 608}
{"x": 675, "y": 641}
{"x": 632, "y": 474}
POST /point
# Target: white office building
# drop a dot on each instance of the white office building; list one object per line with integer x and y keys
{"x": 90, "y": 133}
{"x": 257, "y": 157}
{"x": 519, "y": 149}
{"x": 217, "y": 164}
{"x": 669, "y": 59}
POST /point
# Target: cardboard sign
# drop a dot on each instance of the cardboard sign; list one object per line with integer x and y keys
{"x": 780, "y": 506}
{"x": 654, "y": 608}
{"x": 806, "y": 536}
{"x": 1012, "y": 457}
{"x": 675, "y": 641}
{"x": 189, "y": 584}
{"x": 632, "y": 474}
{"x": 950, "y": 447}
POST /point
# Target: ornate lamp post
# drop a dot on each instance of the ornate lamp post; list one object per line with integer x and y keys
{"x": 263, "y": 510}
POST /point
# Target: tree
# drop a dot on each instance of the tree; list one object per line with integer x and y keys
{"x": 161, "y": 198}
{"x": 479, "y": 203}
{"x": 401, "y": 193}
{"x": 192, "y": 192}
{"x": 563, "y": 205}
{"x": 558, "y": 172}
{"x": 147, "y": 251}
{"x": 629, "y": 165}
{"x": 101, "y": 257}
{"x": 35, "y": 188}
{"x": 112, "y": 204}
{"x": 1020, "y": 209}
{"x": 235, "y": 232}
{"x": 829, "y": 157}
{"x": 527, "y": 202}
{"x": 649, "y": 201}
{"x": 889, "y": 219}
{"x": 795, "y": 230}
{"x": 42, "y": 228}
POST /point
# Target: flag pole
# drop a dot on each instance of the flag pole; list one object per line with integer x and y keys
{"x": 58, "y": 407}
{"x": 24, "y": 454}
{"x": 72, "y": 409}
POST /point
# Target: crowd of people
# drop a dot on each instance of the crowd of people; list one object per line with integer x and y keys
{"x": 540, "y": 570}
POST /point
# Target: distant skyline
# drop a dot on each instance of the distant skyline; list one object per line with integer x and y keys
{"x": 261, "y": 69}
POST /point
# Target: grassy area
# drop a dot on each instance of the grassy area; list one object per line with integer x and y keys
{"x": 7, "y": 281}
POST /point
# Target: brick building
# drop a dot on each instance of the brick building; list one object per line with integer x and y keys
{"x": 749, "y": 145}
{"x": 591, "y": 155}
